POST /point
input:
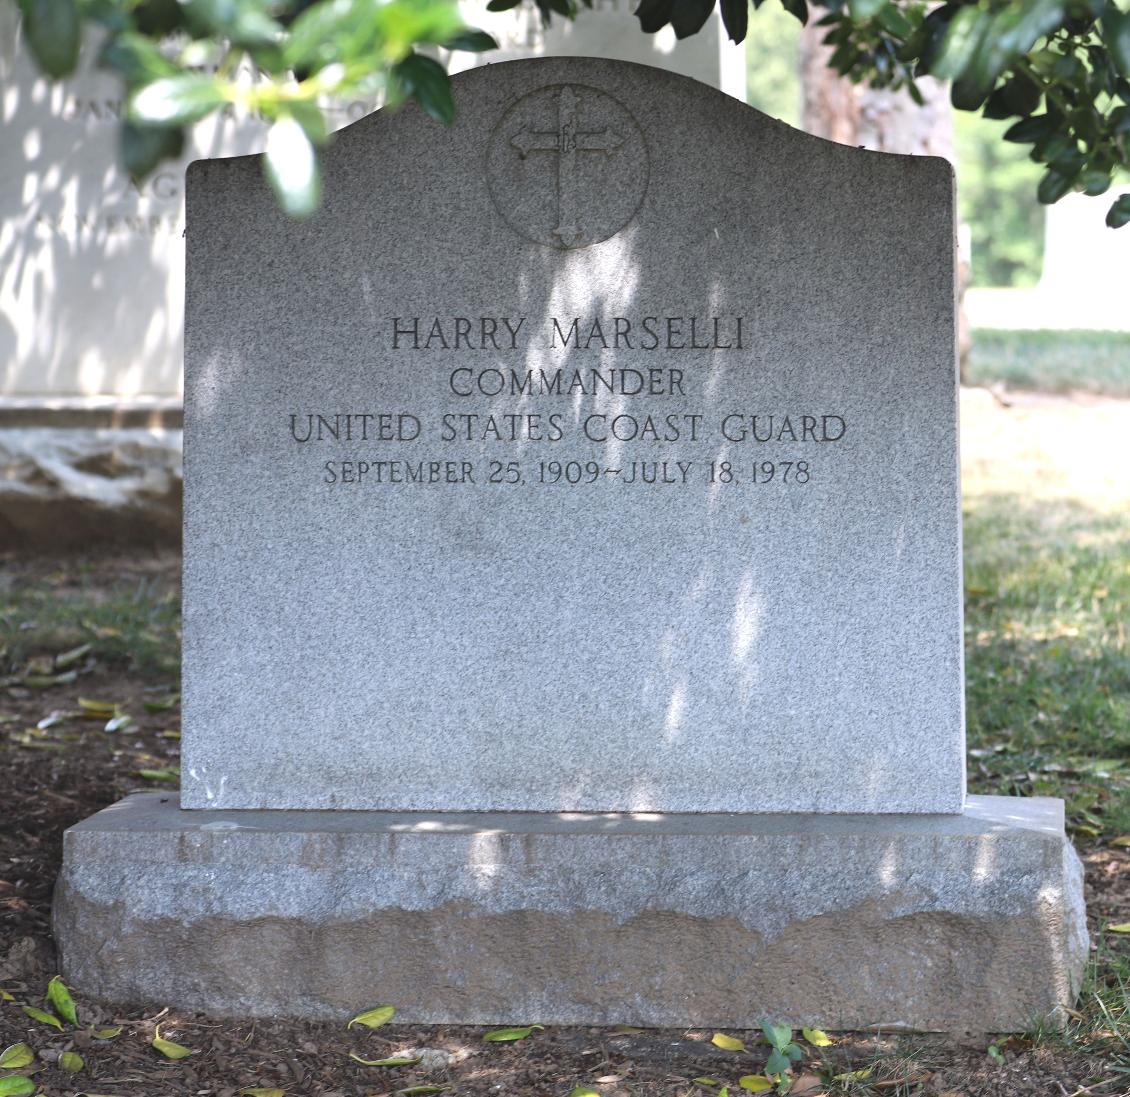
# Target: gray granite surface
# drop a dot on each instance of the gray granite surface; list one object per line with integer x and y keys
{"x": 959, "y": 922}
{"x": 371, "y": 622}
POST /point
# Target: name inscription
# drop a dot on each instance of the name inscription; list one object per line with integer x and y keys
{"x": 620, "y": 444}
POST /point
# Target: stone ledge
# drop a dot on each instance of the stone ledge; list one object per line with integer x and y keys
{"x": 965, "y": 922}
{"x": 78, "y": 487}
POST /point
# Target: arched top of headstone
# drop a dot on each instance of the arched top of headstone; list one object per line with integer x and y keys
{"x": 570, "y": 152}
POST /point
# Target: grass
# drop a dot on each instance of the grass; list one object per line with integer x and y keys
{"x": 1052, "y": 361}
{"x": 130, "y": 621}
{"x": 1047, "y": 628}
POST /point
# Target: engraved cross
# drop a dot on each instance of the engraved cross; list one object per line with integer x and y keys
{"x": 566, "y": 141}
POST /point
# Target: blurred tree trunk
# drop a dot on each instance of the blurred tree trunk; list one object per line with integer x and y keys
{"x": 879, "y": 119}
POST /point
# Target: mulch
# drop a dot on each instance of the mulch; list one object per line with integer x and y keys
{"x": 49, "y": 782}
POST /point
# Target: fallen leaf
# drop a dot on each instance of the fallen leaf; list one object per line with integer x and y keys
{"x": 17, "y": 1055}
{"x": 16, "y": 1085}
{"x": 96, "y": 710}
{"x": 755, "y": 1083}
{"x": 419, "y": 1091}
{"x": 505, "y": 1035}
{"x": 106, "y": 1033}
{"x": 42, "y": 1015}
{"x": 1121, "y": 927}
{"x": 374, "y": 1018}
{"x": 167, "y": 1047}
{"x": 167, "y": 773}
{"x": 1121, "y": 842}
{"x": 806, "y": 1085}
{"x": 626, "y": 1030}
{"x": 707, "y": 1081}
{"x": 393, "y": 1062}
{"x": 852, "y": 1076}
{"x": 60, "y": 998}
{"x": 69, "y": 658}
{"x": 118, "y": 722}
{"x": 816, "y": 1037}
{"x": 251, "y": 1092}
{"x": 583, "y": 1091}
{"x": 71, "y": 1062}
{"x": 7, "y": 996}
{"x": 163, "y": 706}
{"x": 727, "y": 1043}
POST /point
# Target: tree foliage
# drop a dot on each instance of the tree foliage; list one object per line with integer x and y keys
{"x": 1060, "y": 69}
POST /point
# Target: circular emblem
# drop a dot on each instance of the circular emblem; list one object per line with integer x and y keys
{"x": 567, "y": 166}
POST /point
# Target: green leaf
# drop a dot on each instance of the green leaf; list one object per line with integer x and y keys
{"x": 471, "y": 41}
{"x": 963, "y": 36}
{"x": 688, "y": 16}
{"x": 54, "y": 34}
{"x": 167, "y": 1048}
{"x": 798, "y": 9}
{"x": 777, "y": 1063}
{"x": 16, "y": 1056}
{"x": 427, "y": 82}
{"x": 106, "y": 1033}
{"x": 251, "y": 1091}
{"x": 735, "y": 18}
{"x": 393, "y": 1062}
{"x": 755, "y": 1083}
{"x": 16, "y": 1085}
{"x": 142, "y": 149}
{"x": 176, "y": 100}
{"x": 61, "y": 1000}
{"x": 164, "y": 705}
{"x": 135, "y": 57}
{"x": 42, "y": 1015}
{"x": 502, "y": 5}
{"x": 71, "y": 1062}
{"x": 583, "y": 1091}
{"x": 1116, "y": 34}
{"x": 505, "y": 1035}
{"x": 862, "y": 10}
{"x": 894, "y": 22}
{"x": 1053, "y": 187}
{"x": 166, "y": 773}
{"x": 291, "y": 165}
{"x": 1117, "y": 216}
{"x": 816, "y": 1037}
{"x": 374, "y": 1018}
{"x": 777, "y": 1035}
{"x": 420, "y": 1091}
{"x": 654, "y": 15}
{"x": 727, "y": 1043}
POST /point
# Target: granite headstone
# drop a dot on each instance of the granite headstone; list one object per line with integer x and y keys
{"x": 596, "y": 453}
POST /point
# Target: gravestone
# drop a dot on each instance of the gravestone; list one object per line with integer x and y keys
{"x": 572, "y": 592}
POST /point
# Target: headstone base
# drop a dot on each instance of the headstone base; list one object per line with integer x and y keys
{"x": 968, "y": 922}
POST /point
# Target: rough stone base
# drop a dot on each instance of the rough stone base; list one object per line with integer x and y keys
{"x": 968, "y": 922}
